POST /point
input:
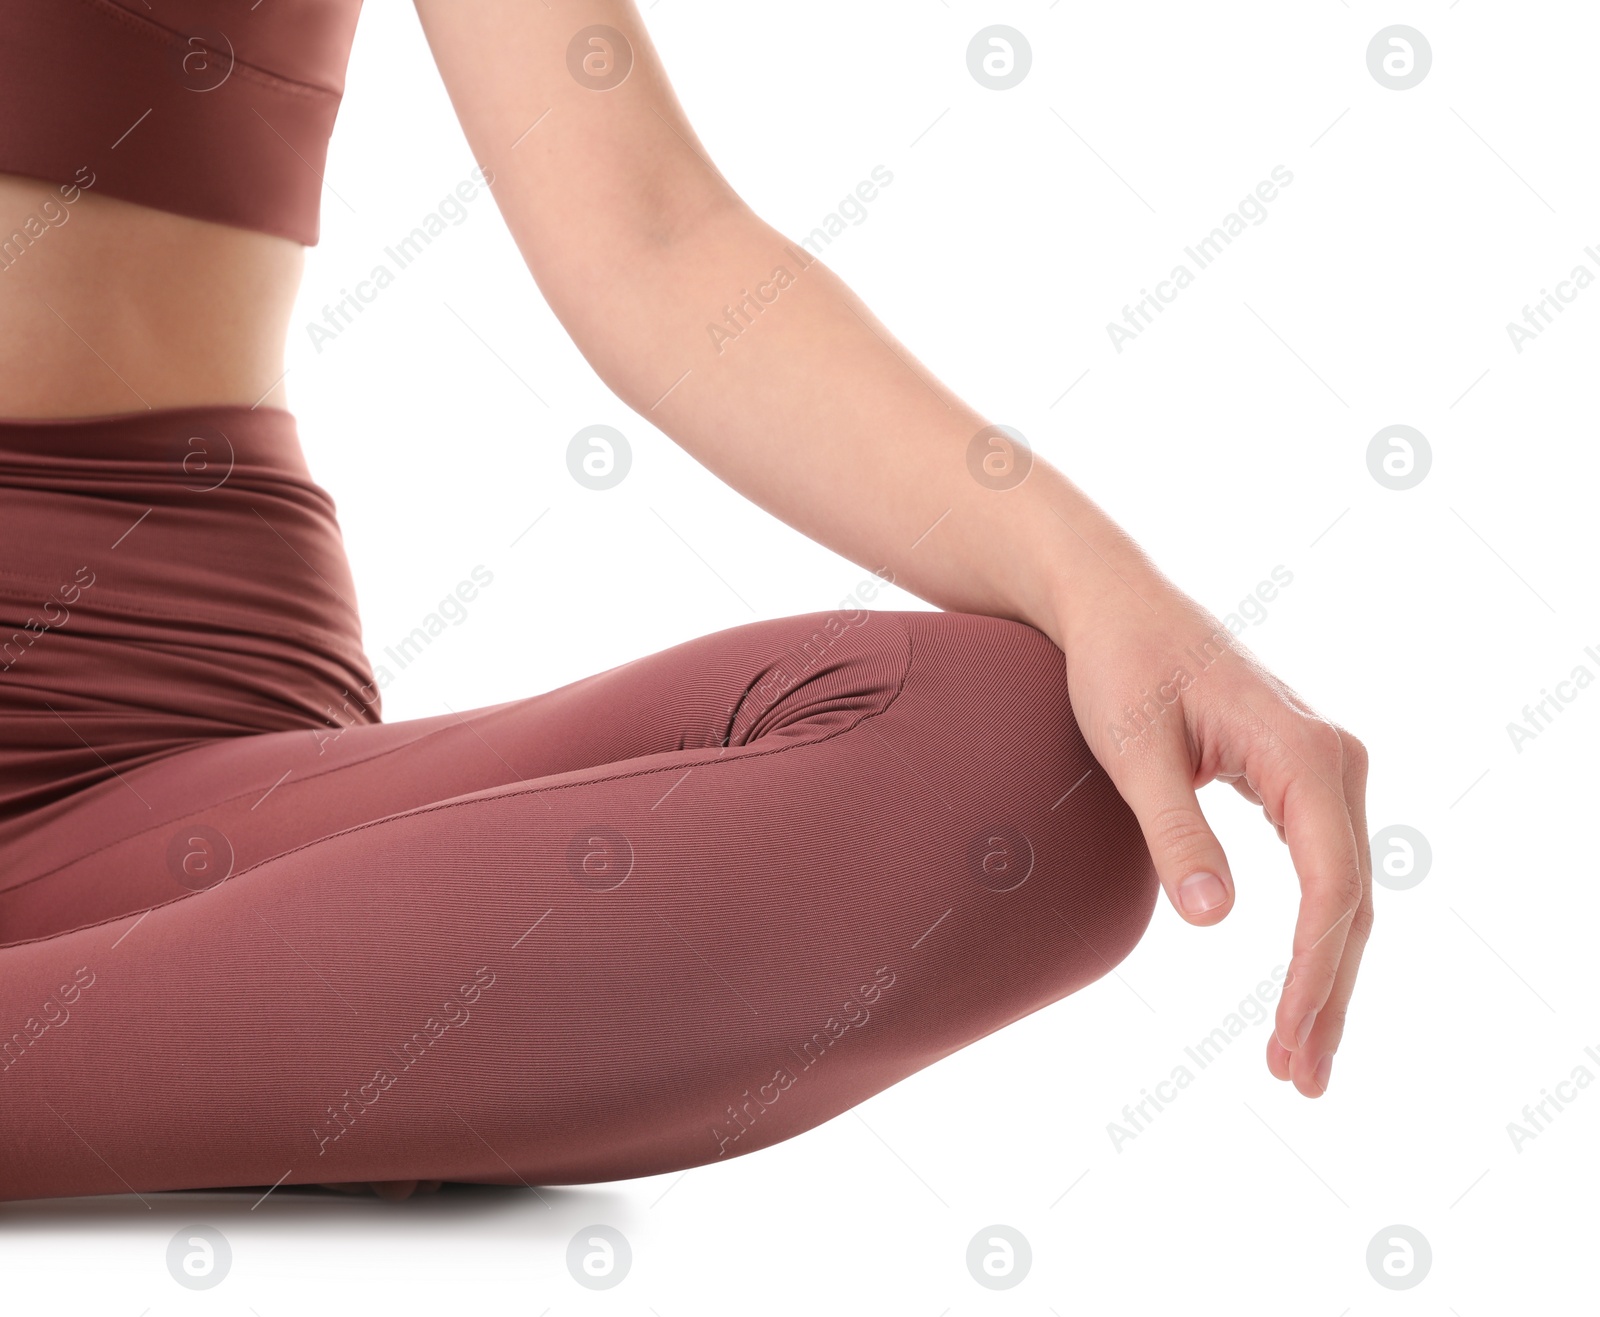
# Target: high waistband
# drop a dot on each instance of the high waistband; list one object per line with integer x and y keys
{"x": 165, "y": 577}
{"x": 267, "y": 434}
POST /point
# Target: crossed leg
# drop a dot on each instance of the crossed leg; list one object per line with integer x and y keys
{"x": 671, "y": 913}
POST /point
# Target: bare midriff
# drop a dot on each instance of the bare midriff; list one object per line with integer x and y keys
{"x": 109, "y": 307}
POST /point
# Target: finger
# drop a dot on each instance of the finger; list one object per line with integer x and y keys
{"x": 1241, "y": 784}
{"x": 1314, "y": 1063}
{"x": 1188, "y": 857}
{"x": 1277, "y": 1059}
{"x": 1322, "y": 848}
{"x": 1276, "y": 826}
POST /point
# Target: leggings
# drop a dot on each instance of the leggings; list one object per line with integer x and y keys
{"x": 665, "y": 915}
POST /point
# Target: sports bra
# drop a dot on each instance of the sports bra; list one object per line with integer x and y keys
{"x": 218, "y": 111}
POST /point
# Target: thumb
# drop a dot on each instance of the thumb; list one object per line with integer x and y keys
{"x": 1188, "y": 857}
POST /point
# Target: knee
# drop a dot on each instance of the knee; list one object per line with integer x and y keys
{"x": 1049, "y": 841}
{"x": 964, "y": 722}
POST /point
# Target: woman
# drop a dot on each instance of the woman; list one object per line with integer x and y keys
{"x": 668, "y": 914}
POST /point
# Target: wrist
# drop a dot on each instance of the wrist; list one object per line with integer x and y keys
{"x": 1096, "y": 569}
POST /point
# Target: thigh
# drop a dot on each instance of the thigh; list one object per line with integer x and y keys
{"x": 859, "y": 852}
{"x": 189, "y": 820}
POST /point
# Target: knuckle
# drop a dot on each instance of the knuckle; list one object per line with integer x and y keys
{"x": 1312, "y": 971}
{"x": 1322, "y": 743}
{"x": 1332, "y": 1018}
{"x": 1180, "y": 832}
{"x": 1356, "y": 760}
{"x": 1361, "y": 925}
{"x": 1350, "y": 892}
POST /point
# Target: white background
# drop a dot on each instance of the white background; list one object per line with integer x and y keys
{"x": 1229, "y": 438}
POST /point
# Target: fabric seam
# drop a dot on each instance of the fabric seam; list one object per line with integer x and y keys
{"x": 905, "y": 673}
{"x": 166, "y": 36}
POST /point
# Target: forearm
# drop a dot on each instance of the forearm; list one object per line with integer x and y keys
{"x": 785, "y": 386}
{"x": 774, "y": 375}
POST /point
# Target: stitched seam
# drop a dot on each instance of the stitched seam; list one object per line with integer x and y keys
{"x": 905, "y": 672}
{"x": 28, "y": 477}
{"x": 71, "y": 422}
{"x": 226, "y": 800}
{"x": 162, "y": 35}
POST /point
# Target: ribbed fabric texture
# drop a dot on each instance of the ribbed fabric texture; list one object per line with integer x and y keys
{"x": 218, "y": 112}
{"x": 666, "y": 915}
{"x": 165, "y": 578}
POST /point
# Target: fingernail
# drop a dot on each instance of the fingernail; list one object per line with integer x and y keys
{"x": 1200, "y": 892}
{"x": 1324, "y": 1069}
{"x": 1304, "y": 1031}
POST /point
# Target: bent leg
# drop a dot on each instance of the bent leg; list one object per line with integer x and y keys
{"x": 819, "y": 858}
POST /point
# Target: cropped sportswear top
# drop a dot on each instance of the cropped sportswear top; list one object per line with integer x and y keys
{"x": 219, "y": 109}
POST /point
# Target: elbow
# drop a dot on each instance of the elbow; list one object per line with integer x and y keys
{"x": 643, "y": 309}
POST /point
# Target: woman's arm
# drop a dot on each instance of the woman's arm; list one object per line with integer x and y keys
{"x": 758, "y": 360}
{"x": 641, "y": 248}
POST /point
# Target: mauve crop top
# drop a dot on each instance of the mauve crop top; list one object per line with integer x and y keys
{"x": 219, "y": 109}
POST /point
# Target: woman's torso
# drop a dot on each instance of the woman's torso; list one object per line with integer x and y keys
{"x": 108, "y": 306}
{"x": 160, "y": 176}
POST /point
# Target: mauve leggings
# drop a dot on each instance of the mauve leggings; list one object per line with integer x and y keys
{"x": 665, "y": 915}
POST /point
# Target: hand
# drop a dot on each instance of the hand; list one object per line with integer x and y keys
{"x": 1168, "y": 700}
